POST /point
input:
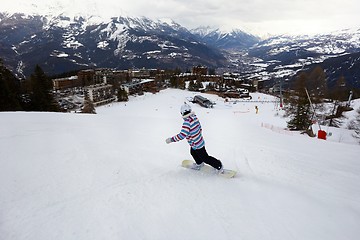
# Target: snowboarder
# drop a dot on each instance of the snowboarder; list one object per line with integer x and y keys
{"x": 191, "y": 130}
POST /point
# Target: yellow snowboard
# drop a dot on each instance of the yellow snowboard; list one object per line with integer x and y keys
{"x": 208, "y": 169}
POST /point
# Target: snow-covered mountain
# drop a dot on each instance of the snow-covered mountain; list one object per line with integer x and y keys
{"x": 233, "y": 40}
{"x": 282, "y": 56}
{"x": 61, "y": 43}
{"x": 103, "y": 11}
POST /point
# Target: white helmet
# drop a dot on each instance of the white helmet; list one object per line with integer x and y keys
{"x": 185, "y": 109}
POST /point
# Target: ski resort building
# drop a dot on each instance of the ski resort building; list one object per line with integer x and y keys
{"x": 100, "y": 94}
{"x": 63, "y": 83}
{"x": 138, "y": 86}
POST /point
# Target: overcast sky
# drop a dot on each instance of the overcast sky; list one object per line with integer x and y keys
{"x": 260, "y": 17}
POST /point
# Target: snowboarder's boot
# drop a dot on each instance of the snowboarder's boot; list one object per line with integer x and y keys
{"x": 196, "y": 166}
{"x": 221, "y": 170}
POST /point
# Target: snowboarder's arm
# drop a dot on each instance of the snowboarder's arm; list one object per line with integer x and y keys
{"x": 185, "y": 130}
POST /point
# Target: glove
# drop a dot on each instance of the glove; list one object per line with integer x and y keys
{"x": 168, "y": 140}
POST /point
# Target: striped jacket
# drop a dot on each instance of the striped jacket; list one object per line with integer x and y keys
{"x": 191, "y": 130}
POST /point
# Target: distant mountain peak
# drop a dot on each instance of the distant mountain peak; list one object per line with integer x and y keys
{"x": 234, "y": 39}
{"x": 204, "y": 30}
{"x": 69, "y": 8}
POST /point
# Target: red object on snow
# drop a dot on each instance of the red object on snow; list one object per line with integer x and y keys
{"x": 321, "y": 134}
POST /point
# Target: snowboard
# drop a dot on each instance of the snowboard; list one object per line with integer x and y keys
{"x": 208, "y": 169}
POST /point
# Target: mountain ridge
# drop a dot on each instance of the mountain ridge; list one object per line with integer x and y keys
{"x": 122, "y": 42}
{"x": 283, "y": 56}
{"x": 61, "y": 43}
{"x": 235, "y": 39}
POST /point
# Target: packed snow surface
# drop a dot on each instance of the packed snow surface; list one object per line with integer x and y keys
{"x": 112, "y": 176}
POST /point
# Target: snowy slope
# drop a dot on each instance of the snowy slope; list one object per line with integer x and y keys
{"x": 112, "y": 176}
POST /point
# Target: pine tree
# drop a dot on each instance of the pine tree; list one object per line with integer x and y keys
{"x": 176, "y": 81}
{"x": 198, "y": 85}
{"x": 181, "y": 84}
{"x": 88, "y": 106}
{"x": 9, "y": 90}
{"x": 297, "y": 105}
{"x": 122, "y": 95}
{"x": 191, "y": 86}
{"x": 340, "y": 91}
{"x": 173, "y": 82}
{"x": 41, "y": 96}
{"x": 195, "y": 85}
{"x": 316, "y": 84}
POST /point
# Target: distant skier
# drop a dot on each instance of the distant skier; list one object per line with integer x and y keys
{"x": 191, "y": 130}
{"x": 256, "y": 109}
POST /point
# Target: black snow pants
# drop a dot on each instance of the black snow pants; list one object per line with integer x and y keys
{"x": 200, "y": 156}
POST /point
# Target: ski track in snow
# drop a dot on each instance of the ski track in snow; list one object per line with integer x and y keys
{"x": 111, "y": 176}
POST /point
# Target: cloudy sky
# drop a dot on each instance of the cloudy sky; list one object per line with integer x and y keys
{"x": 261, "y": 17}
